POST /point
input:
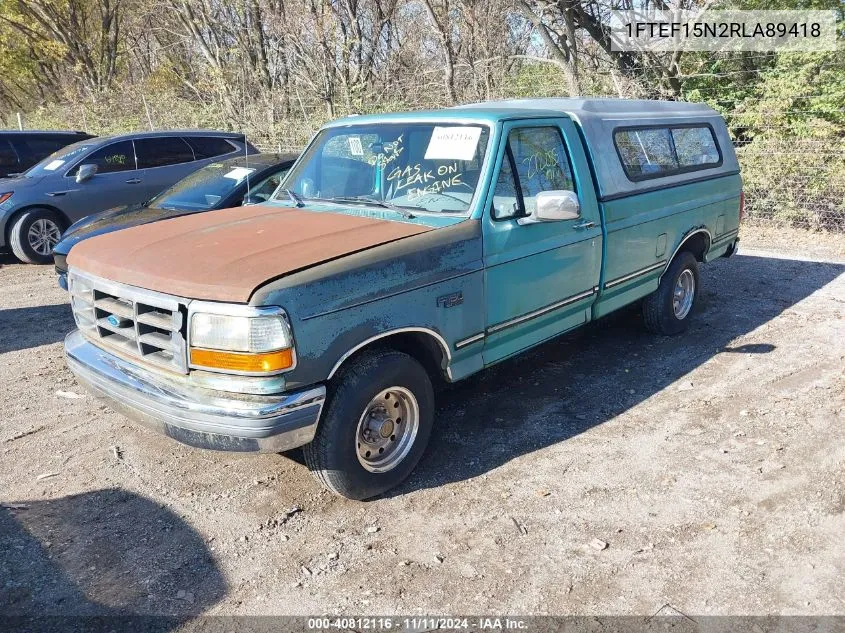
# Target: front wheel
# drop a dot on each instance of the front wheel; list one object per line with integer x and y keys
{"x": 34, "y": 234}
{"x": 668, "y": 309}
{"x": 375, "y": 427}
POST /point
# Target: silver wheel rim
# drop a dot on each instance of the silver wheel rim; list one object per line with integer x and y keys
{"x": 387, "y": 429}
{"x": 43, "y": 235}
{"x": 684, "y": 294}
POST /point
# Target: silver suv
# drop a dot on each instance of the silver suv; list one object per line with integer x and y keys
{"x": 97, "y": 174}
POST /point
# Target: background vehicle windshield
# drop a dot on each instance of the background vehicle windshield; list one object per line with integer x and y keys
{"x": 203, "y": 189}
{"x": 419, "y": 166}
{"x": 60, "y": 159}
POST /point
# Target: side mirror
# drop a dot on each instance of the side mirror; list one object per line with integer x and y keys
{"x": 86, "y": 172}
{"x": 554, "y": 206}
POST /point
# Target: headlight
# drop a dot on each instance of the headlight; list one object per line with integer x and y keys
{"x": 258, "y": 343}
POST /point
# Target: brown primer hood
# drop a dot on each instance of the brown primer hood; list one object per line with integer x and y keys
{"x": 225, "y": 255}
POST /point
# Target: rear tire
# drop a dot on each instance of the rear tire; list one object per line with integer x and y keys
{"x": 375, "y": 427}
{"x": 668, "y": 310}
{"x": 33, "y": 235}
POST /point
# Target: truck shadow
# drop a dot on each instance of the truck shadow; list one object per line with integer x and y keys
{"x": 103, "y": 554}
{"x": 25, "y": 328}
{"x": 580, "y": 380}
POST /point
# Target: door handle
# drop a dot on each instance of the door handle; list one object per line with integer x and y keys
{"x": 586, "y": 224}
{"x": 133, "y": 181}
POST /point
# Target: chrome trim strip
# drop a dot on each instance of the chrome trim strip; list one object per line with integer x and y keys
{"x": 724, "y": 237}
{"x": 443, "y": 344}
{"x": 637, "y": 273}
{"x": 470, "y": 340}
{"x": 540, "y": 312}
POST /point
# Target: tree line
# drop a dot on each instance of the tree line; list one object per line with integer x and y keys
{"x": 277, "y": 69}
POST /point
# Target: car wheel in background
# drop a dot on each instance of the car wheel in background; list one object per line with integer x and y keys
{"x": 375, "y": 426}
{"x": 668, "y": 310}
{"x": 33, "y": 235}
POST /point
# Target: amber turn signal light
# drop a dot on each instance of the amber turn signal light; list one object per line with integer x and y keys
{"x": 265, "y": 362}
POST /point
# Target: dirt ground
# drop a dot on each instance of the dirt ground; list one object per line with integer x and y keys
{"x": 712, "y": 465}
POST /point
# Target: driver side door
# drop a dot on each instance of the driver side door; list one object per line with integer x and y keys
{"x": 118, "y": 182}
{"x": 540, "y": 278}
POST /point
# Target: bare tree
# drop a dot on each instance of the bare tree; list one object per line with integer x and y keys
{"x": 88, "y": 31}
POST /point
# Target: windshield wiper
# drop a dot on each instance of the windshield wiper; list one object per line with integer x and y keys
{"x": 385, "y": 204}
{"x": 294, "y": 197}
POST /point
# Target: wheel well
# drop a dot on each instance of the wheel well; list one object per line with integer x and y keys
{"x": 10, "y": 221}
{"x": 697, "y": 243}
{"x": 422, "y": 346}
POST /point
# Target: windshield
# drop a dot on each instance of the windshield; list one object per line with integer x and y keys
{"x": 416, "y": 166}
{"x": 203, "y": 189}
{"x": 60, "y": 158}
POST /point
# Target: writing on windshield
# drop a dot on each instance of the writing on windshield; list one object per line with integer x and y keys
{"x": 418, "y": 166}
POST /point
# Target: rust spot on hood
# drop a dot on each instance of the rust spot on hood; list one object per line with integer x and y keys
{"x": 225, "y": 255}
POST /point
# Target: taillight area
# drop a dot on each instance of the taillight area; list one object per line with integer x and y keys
{"x": 741, "y": 206}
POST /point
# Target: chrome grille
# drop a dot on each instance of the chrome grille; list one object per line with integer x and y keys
{"x": 140, "y": 323}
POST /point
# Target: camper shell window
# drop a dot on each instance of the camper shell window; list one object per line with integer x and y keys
{"x": 657, "y": 151}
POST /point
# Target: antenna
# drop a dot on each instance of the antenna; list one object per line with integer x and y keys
{"x": 243, "y": 129}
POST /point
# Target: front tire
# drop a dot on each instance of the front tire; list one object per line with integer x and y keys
{"x": 33, "y": 235}
{"x": 669, "y": 309}
{"x": 376, "y": 425}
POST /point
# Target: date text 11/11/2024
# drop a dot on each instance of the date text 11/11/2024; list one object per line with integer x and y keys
{"x": 418, "y": 623}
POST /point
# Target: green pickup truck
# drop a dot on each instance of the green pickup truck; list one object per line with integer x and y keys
{"x": 402, "y": 250}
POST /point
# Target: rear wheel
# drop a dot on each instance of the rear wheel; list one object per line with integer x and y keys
{"x": 375, "y": 427}
{"x": 668, "y": 310}
{"x": 34, "y": 234}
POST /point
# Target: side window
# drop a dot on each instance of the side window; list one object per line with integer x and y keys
{"x": 506, "y": 199}
{"x": 695, "y": 146}
{"x": 541, "y": 162}
{"x": 111, "y": 158}
{"x": 8, "y": 157}
{"x": 664, "y": 151}
{"x": 646, "y": 153}
{"x": 39, "y": 147}
{"x": 161, "y": 151}
{"x": 265, "y": 188}
{"x": 209, "y": 146}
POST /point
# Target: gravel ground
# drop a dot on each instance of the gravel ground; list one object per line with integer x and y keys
{"x": 608, "y": 472}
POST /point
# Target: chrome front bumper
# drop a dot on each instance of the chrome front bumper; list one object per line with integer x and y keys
{"x": 199, "y": 417}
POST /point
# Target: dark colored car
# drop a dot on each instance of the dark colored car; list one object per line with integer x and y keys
{"x": 21, "y": 149}
{"x": 93, "y": 175}
{"x": 219, "y": 185}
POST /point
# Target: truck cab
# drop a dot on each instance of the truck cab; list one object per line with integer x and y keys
{"x": 401, "y": 251}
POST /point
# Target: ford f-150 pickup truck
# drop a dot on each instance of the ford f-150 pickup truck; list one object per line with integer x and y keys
{"x": 400, "y": 251}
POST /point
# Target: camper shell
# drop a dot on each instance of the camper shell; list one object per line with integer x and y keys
{"x": 600, "y": 119}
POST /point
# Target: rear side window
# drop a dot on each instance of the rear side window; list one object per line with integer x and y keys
{"x": 664, "y": 151}
{"x": 111, "y": 158}
{"x": 209, "y": 146}
{"x": 8, "y": 157}
{"x": 40, "y": 146}
{"x": 695, "y": 146}
{"x": 162, "y": 151}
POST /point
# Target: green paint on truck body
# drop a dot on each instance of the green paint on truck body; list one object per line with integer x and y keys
{"x": 478, "y": 289}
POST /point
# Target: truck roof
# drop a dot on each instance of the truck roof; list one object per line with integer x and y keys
{"x": 592, "y": 107}
{"x": 598, "y": 119}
